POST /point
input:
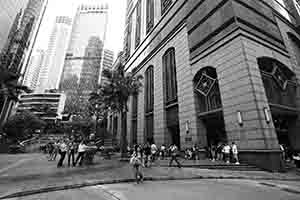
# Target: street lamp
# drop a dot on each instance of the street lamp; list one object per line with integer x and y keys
{"x": 267, "y": 115}
{"x": 240, "y": 118}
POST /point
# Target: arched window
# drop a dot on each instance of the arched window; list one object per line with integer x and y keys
{"x": 279, "y": 82}
{"x": 150, "y": 15}
{"x": 207, "y": 90}
{"x": 149, "y": 103}
{"x": 170, "y": 80}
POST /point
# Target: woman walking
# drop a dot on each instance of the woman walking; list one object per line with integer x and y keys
{"x": 63, "y": 148}
{"x": 137, "y": 163}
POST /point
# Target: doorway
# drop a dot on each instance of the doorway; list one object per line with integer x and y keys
{"x": 215, "y": 128}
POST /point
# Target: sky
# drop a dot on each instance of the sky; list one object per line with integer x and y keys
{"x": 116, "y": 21}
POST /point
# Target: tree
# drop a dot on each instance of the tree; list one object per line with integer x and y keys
{"x": 9, "y": 86}
{"x": 21, "y": 125}
{"x": 113, "y": 96}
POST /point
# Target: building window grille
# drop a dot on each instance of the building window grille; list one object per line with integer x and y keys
{"x": 279, "y": 82}
{"x": 138, "y": 24}
{"x": 165, "y": 4}
{"x": 170, "y": 80}
{"x": 149, "y": 90}
{"x": 128, "y": 39}
{"x": 149, "y": 103}
{"x": 150, "y": 16}
{"x": 207, "y": 90}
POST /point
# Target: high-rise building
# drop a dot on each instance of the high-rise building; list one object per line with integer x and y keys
{"x": 55, "y": 55}
{"x": 216, "y": 72}
{"x": 19, "y": 25}
{"x": 107, "y": 63}
{"x": 34, "y": 67}
{"x": 83, "y": 58}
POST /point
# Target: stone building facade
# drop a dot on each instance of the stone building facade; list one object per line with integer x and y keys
{"x": 216, "y": 71}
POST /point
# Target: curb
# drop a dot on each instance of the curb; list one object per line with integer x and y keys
{"x": 129, "y": 180}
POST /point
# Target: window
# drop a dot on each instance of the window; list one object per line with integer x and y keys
{"x": 165, "y": 4}
{"x": 128, "y": 41}
{"x": 134, "y": 119}
{"x": 149, "y": 90}
{"x": 207, "y": 90}
{"x": 138, "y": 24}
{"x": 149, "y": 128}
{"x": 170, "y": 82}
{"x": 149, "y": 103}
{"x": 279, "y": 82}
{"x": 150, "y": 15}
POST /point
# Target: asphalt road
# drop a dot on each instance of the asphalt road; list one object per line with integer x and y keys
{"x": 181, "y": 190}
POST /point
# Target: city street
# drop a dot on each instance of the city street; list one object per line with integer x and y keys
{"x": 28, "y": 174}
{"x": 178, "y": 190}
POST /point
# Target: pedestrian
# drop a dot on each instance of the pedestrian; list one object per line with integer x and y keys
{"x": 226, "y": 151}
{"x": 56, "y": 149}
{"x": 282, "y": 152}
{"x": 162, "y": 151}
{"x": 153, "y": 152}
{"x": 234, "y": 150}
{"x": 81, "y": 152}
{"x": 213, "y": 152}
{"x": 174, "y": 154}
{"x": 62, "y": 151}
{"x": 136, "y": 161}
{"x": 50, "y": 150}
{"x": 71, "y": 153}
{"x": 219, "y": 151}
{"x": 195, "y": 152}
{"x": 147, "y": 154}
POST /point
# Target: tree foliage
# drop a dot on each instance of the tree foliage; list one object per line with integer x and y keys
{"x": 113, "y": 96}
{"x": 9, "y": 86}
{"x": 22, "y": 125}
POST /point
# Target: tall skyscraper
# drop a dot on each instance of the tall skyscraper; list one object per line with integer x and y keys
{"x": 55, "y": 54}
{"x": 107, "y": 63}
{"x": 83, "y": 58}
{"x": 19, "y": 25}
{"x": 34, "y": 68}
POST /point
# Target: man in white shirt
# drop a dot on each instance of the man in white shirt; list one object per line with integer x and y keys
{"x": 153, "y": 152}
{"x": 226, "y": 151}
{"x": 81, "y": 151}
{"x": 234, "y": 150}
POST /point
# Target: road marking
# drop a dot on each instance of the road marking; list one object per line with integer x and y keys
{"x": 18, "y": 163}
{"x": 113, "y": 194}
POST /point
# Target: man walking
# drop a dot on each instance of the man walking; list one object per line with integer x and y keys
{"x": 235, "y": 153}
{"x": 153, "y": 152}
{"x": 174, "y": 154}
{"x": 226, "y": 151}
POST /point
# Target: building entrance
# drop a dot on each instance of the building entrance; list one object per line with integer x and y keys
{"x": 175, "y": 134}
{"x": 215, "y": 128}
{"x": 283, "y": 119}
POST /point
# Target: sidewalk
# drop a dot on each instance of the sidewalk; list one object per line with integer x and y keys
{"x": 42, "y": 176}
